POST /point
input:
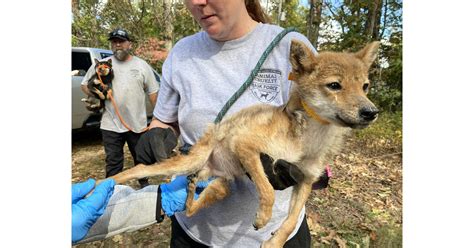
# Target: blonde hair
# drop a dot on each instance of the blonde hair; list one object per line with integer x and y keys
{"x": 255, "y": 11}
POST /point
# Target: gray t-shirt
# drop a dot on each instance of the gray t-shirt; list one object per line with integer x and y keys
{"x": 199, "y": 76}
{"x": 132, "y": 80}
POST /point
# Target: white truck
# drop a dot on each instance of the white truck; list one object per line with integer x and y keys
{"x": 82, "y": 59}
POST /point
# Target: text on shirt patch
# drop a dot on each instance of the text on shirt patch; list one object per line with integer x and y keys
{"x": 266, "y": 85}
{"x": 135, "y": 73}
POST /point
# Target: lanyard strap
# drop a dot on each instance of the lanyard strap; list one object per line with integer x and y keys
{"x": 186, "y": 147}
{"x": 252, "y": 75}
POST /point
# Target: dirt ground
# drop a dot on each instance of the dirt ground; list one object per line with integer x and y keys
{"x": 361, "y": 208}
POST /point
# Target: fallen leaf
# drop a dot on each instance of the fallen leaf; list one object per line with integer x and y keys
{"x": 340, "y": 242}
{"x": 373, "y": 235}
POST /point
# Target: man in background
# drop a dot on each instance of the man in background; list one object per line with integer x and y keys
{"x": 133, "y": 80}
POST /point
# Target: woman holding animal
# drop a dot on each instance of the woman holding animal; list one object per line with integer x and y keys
{"x": 199, "y": 75}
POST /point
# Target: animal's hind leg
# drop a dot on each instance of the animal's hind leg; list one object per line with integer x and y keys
{"x": 299, "y": 197}
{"x": 217, "y": 190}
{"x": 178, "y": 165}
{"x": 250, "y": 159}
{"x": 99, "y": 93}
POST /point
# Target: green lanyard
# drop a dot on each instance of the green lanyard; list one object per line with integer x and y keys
{"x": 186, "y": 147}
{"x": 252, "y": 75}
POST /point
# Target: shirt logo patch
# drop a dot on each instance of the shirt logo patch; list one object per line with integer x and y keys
{"x": 266, "y": 85}
{"x": 135, "y": 73}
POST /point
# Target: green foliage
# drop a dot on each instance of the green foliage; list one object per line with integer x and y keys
{"x": 295, "y": 15}
{"x": 184, "y": 23}
{"x": 86, "y": 25}
{"x": 153, "y": 51}
{"x": 95, "y": 19}
{"x": 388, "y": 236}
{"x": 388, "y": 126}
{"x": 344, "y": 27}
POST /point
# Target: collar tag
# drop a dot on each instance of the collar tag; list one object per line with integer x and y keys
{"x": 291, "y": 76}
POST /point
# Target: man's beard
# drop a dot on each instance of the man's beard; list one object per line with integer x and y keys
{"x": 121, "y": 54}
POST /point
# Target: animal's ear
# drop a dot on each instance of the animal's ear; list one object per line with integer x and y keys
{"x": 109, "y": 61}
{"x": 96, "y": 61}
{"x": 368, "y": 53}
{"x": 301, "y": 57}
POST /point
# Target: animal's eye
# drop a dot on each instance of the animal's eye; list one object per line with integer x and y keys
{"x": 365, "y": 87}
{"x": 334, "y": 86}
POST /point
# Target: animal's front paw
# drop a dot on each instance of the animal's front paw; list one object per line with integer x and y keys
{"x": 93, "y": 107}
{"x": 192, "y": 178}
{"x": 192, "y": 181}
{"x": 271, "y": 243}
{"x": 261, "y": 220}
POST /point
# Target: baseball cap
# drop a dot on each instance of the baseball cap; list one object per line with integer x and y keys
{"x": 119, "y": 33}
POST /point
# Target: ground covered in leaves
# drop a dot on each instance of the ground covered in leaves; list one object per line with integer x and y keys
{"x": 361, "y": 208}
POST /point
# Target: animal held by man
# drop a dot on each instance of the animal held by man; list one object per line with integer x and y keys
{"x": 98, "y": 85}
{"x": 329, "y": 97}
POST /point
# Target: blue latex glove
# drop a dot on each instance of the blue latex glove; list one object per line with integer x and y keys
{"x": 86, "y": 211}
{"x": 173, "y": 194}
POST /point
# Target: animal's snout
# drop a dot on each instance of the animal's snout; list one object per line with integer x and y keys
{"x": 368, "y": 114}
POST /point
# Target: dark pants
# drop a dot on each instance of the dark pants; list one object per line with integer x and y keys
{"x": 113, "y": 145}
{"x": 180, "y": 239}
{"x": 154, "y": 146}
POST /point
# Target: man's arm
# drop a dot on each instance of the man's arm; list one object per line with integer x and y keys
{"x": 86, "y": 90}
{"x": 90, "y": 72}
{"x": 153, "y": 97}
{"x": 157, "y": 123}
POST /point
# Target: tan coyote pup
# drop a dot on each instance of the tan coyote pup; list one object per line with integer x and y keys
{"x": 328, "y": 98}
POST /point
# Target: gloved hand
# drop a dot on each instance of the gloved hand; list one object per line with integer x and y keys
{"x": 86, "y": 211}
{"x": 283, "y": 174}
{"x": 155, "y": 145}
{"x": 173, "y": 194}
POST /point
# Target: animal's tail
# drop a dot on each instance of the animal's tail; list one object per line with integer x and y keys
{"x": 178, "y": 165}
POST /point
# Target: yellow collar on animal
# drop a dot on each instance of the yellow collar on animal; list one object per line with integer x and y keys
{"x": 313, "y": 114}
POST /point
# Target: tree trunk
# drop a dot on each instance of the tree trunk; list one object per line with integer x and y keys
{"x": 156, "y": 14}
{"x": 309, "y": 21}
{"x": 97, "y": 29}
{"x": 378, "y": 17}
{"x": 317, "y": 21}
{"x": 384, "y": 20}
{"x": 168, "y": 24}
{"x": 75, "y": 8}
{"x": 373, "y": 23}
{"x": 314, "y": 20}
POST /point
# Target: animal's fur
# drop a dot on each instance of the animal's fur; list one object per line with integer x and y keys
{"x": 231, "y": 148}
{"x": 104, "y": 69}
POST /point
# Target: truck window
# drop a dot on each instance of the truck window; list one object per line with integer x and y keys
{"x": 81, "y": 61}
{"x": 105, "y": 55}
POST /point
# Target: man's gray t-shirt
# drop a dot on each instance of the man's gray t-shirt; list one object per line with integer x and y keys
{"x": 133, "y": 79}
{"x": 199, "y": 76}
